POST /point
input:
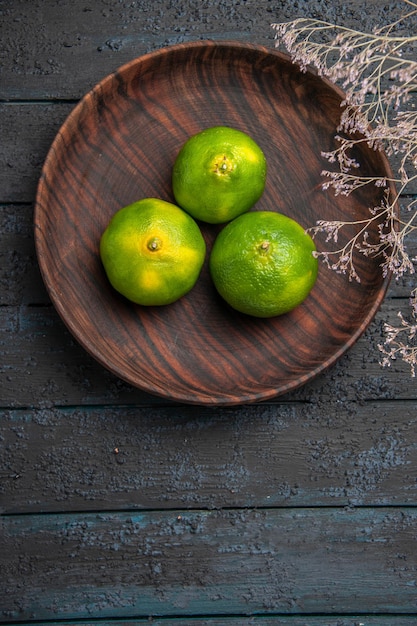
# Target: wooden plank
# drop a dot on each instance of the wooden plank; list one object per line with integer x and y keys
{"x": 58, "y": 361}
{"x": 40, "y": 358}
{"x": 23, "y": 154}
{"x": 291, "y": 454}
{"x": 277, "y": 620}
{"x": 20, "y": 279}
{"x": 209, "y": 562}
{"x": 99, "y": 39}
{"x": 26, "y": 131}
{"x": 38, "y": 355}
{"x": 85, "y": 43}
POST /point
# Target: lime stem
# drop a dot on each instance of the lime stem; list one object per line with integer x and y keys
{"x": 264, "y": 246}
{"x": 154, "y": 244}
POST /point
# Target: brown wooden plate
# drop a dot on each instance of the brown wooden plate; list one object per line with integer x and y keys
{"x": 118, "y": 145}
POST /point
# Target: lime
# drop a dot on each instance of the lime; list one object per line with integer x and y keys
{"x": 262, "y": 264}
{"x": 218, "y": 174}
{"x": 152, "y": 252}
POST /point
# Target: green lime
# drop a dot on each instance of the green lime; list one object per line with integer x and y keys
{"x": 219, "y": 173}
{"x": 263, "y": 264}
{"x": 152, "y": 252}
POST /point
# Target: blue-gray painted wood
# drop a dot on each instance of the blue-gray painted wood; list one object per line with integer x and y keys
{"x": 209, "y": 562}
{"x": 118, "y": 506}
{"x": 171, "y": 457}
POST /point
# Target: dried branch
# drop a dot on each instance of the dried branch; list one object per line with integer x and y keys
{"x": 378, "y": 75}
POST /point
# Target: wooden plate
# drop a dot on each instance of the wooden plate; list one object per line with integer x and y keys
{"x": 119, "y": 144}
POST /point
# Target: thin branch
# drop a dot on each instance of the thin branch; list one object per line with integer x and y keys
{"x": 378, "y": 83}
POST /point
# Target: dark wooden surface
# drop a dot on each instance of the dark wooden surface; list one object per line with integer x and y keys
{"x": 119, "y": 507}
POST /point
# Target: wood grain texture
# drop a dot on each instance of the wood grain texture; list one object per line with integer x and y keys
{"x": 27, "y": 131}
{"x": 277, "y": 620}
{"x": 21, "y": 282}
{"x": 42, "y": 365}
{"x": 119, "y": 145}
{"x": 216, "y": 562}
{"x": 284, "y": 455}
{"x": 345, "y": 439}
{"x": 20, "y": 277}
{"x": 63, "y": 58}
